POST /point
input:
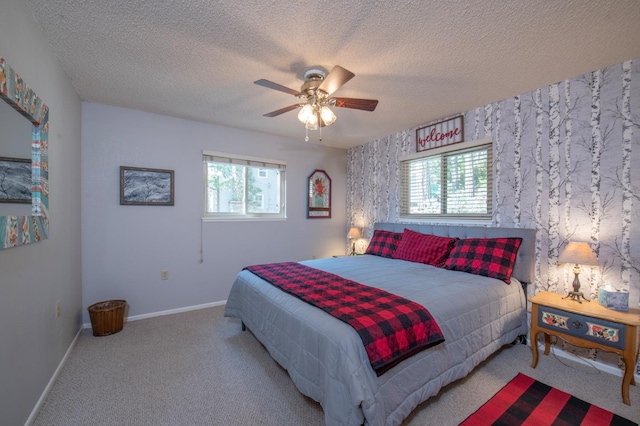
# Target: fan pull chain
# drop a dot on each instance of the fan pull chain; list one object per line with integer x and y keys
{"x": 306, "y": 134}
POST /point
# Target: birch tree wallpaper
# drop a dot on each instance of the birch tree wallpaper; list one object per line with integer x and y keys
{"x": 562, "y": 165}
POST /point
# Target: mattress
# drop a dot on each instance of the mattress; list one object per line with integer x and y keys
{"x": 326, "y": 358}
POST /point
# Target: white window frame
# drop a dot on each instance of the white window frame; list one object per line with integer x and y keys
{"x": 242, "y": 160}
{"x": 443, "y": 217}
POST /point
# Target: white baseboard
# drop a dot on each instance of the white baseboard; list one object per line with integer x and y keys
{"x": 47, "y": 389}
{"x": 600, "y": 366}
{"x": 168, "y": 312}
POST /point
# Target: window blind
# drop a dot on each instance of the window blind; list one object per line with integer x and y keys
{"x": 243, "y": 161}
{"x": 452, "y": 184}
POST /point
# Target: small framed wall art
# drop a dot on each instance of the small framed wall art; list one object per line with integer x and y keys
{"x": 319, "y": 195}
{"x": 15, "y": 180}
{"x": 146, "y": 187}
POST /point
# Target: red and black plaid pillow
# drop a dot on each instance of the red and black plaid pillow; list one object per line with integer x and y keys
{"x": 424, "y": 248}
{"x": 491, "y": 257}
{"x": 383, "y": 243}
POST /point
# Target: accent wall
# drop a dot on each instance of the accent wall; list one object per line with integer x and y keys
{"x": 563, "y": 158}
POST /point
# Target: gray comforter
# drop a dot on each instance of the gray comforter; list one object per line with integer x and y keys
{"x": 326, "y": 358}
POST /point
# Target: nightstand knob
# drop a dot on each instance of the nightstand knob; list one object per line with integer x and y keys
{"x": 577, "y": 324}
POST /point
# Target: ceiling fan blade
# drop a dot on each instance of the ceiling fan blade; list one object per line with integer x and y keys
{"x": 276, "y": 86}
{"x": 335, "y": 79}
{"x": 363, "y": 104}
{"x": 281, "y": 110}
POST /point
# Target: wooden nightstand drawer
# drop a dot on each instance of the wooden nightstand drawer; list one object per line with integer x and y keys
{"x": 588, "y": 328}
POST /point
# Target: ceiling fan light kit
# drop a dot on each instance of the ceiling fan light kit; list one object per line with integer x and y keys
{"x": 316, "y": 94}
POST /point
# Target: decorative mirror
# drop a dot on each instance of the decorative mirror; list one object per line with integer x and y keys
{"x": 18, "y": 227}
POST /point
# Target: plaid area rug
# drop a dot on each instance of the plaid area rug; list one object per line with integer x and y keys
{"x": 525, "y": 401}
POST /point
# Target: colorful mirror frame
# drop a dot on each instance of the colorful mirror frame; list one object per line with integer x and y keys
{"x": 20, "y": 230}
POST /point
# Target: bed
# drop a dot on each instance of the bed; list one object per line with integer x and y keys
{"x": 325, "y": 357}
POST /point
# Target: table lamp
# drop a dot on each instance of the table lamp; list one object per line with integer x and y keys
{"x": 353, "y": 235}
{"x": 578, "y": 253}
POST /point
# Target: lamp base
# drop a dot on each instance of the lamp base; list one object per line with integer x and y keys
{"x": 576, "y": 295}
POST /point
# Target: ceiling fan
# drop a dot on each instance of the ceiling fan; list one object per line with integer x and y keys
{"x": 315, "y": 96}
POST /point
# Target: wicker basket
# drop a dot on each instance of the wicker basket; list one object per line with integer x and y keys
{"x": 107, "y": 317}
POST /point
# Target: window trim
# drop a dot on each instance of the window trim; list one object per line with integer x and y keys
{"x": 449, "y": 218}
{"x": 262, "y": 162}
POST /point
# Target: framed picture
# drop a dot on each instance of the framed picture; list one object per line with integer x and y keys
{"x": 146, "y": 187}
{"x": 15, "y": 180}
{"x": 319, "y": 197}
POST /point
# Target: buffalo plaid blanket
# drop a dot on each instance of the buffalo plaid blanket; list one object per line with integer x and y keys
{"x": 391, "y": 327}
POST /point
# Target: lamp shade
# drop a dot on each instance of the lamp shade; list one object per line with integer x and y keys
{"x": 353, "y": 233}
{"x": 306, "y": 113}
{"x": 578, "y": 253}
{"x": 312, "y": 122}
{"x": 328, "y": 117}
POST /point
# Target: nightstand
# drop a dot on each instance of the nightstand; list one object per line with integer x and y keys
{"x": 587, "y": 325}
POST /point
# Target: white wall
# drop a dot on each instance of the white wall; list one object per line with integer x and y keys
{"x": 33, "y": 277}
{"x": 126, "y": 247}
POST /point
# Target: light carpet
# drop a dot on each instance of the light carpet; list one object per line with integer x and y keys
{"x": 199, "y": 368}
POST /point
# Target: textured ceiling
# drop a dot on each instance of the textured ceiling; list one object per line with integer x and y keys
{"x": 422, "y": 59}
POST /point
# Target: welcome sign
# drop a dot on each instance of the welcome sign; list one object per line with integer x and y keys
{"x": 442, "y": 133}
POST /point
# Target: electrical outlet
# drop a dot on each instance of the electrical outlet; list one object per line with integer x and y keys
{"x": 164, "y": 274}
{"x": 57, "y": 309}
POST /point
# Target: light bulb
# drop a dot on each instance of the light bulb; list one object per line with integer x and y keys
{"x": 328, "y": 117}
{"x": 306, "y": 114}
{"x": 312, "y": 122}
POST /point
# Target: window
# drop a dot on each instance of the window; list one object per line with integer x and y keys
{"x": 450, "y": 182}
{"x": 233, "y": 190}
{"x": 259, "y": 200}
